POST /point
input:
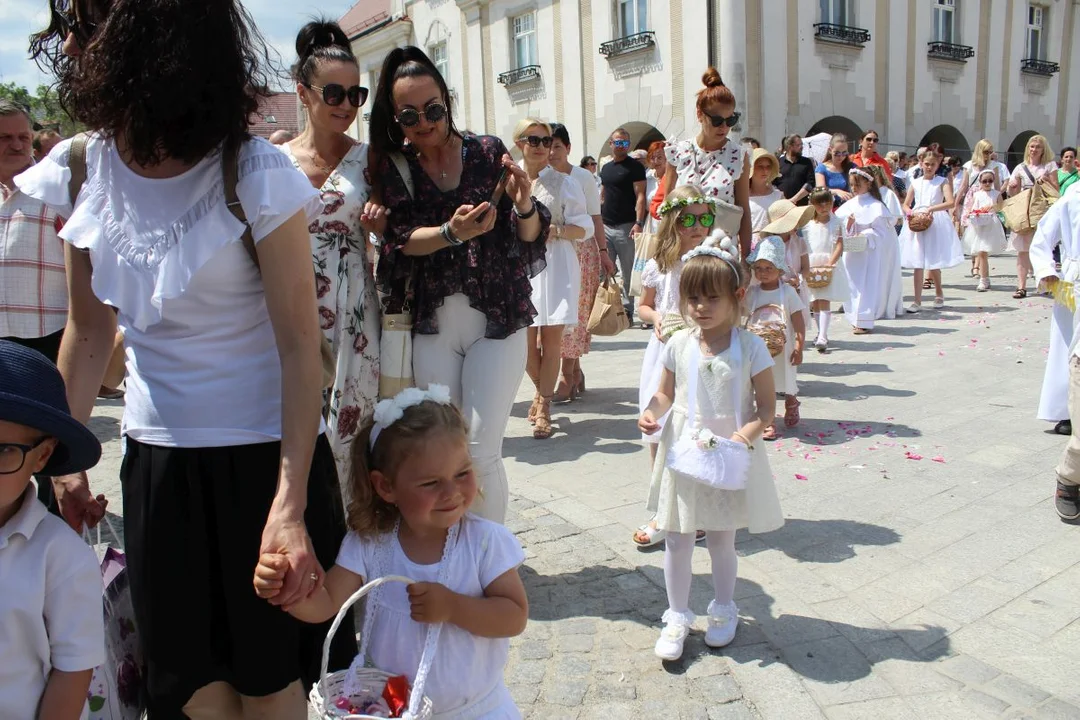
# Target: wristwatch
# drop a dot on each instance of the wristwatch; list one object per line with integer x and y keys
{"x": 449, "y": 237}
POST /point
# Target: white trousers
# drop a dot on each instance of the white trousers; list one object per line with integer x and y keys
{"x": 483, "y": 376}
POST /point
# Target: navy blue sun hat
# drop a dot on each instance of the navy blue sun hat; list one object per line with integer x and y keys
{"x": 32, "y": 393}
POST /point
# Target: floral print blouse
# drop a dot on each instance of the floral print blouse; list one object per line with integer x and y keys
{"x": 493, "y": 270}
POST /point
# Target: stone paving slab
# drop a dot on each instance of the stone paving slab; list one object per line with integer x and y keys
{"x": 941, "y": 587}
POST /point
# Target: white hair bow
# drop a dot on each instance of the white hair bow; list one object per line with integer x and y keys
{"x": 389, "y": 411}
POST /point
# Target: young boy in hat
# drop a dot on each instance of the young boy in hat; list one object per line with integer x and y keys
{"x": 52, "y": 635}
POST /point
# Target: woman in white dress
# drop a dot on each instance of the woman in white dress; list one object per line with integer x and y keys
{"x": 328, "y": 84}
{"x": 764, "y": 169}
{"x": 874, "y": 273}
{"x": 937, "y": 247}
{"x": 556, "y": 289}
{"x": 711, "y": 160}
{"x": 1038, "y": 164}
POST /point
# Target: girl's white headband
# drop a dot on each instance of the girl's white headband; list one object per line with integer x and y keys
{"x": 393, "y": 409}
{"x": 861, "y": 173}
{"x": 723, "y": 249}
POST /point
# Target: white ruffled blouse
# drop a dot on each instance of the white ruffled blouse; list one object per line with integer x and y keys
{"x": 202, "y": 363}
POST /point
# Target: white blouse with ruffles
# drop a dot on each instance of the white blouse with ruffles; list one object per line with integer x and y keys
{"x": 202, "y": 364}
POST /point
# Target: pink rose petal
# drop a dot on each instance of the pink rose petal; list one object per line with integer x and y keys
{"x": 912, "y": 456}
{"x": 938, "y": 459}
{"x": 800, "y": 477}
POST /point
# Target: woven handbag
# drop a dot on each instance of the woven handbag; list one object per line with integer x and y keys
{"x": 819, "y": 277}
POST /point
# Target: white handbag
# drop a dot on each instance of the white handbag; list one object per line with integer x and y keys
{"x": 709, "y": 459}
{"x": 396, "y": 341}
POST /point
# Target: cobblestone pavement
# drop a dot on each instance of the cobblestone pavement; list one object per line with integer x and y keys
{"x": 922, "y": 572}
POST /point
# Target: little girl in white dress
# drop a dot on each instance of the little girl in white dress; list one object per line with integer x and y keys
{"x": 824, "y": 237}
{"x": 730, "y": 371}
{"x": 448, "y": 630}
{"x": 938, "y": 246}
{"x": 984, "y": 234}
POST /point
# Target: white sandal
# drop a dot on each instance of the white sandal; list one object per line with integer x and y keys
{"x": 655, "y": 535}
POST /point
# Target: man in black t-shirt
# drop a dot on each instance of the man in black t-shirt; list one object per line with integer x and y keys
{"x": 623, "y": 208}
{"x": 796, "y": 178}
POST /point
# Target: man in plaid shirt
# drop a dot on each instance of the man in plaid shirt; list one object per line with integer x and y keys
{"x": 33, "y": 288}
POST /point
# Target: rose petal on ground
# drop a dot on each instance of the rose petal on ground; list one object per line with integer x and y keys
{"x": 800, "y": 477}
{"x": 938, "y": 459}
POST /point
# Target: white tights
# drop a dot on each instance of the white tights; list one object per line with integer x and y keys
{"x": 678, "y": 554}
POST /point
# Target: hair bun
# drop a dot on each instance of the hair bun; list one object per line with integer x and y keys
{"x": 320, "y": 34}
{"x": 712, "y": 78}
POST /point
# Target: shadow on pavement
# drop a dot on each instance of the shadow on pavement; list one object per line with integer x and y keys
{"x": 104, "y": 427}
{"x": 824, "y": 431}
{"x": 841, "y": 369}
{"x": 863, "y": 345}
{"x": 845, "y": 391}
{"x": 607, "y": 401}
{"x": 622, "y": 344}
{"x": 575, "y": 439}
{"x": 818, "y": 541}
{"x": 912, "y": 330}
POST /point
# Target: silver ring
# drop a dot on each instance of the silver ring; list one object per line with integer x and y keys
{"x": 314, "y": 577}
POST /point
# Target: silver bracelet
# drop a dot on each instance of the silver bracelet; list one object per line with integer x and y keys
{"x": 448, "y": 235}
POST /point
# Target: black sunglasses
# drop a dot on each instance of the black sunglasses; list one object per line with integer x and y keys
{"x": 717, "y": 120}
{"x": 69, "y": 22}
{"x": 335, "y": 94}
{"x": 536, "y": 141}
{"x": 409, "y": 117}
{"x": 870, "y": 139}
{"x": 9, "y": 452}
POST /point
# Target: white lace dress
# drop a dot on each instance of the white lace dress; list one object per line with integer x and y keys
{"x": 683, "y": 505}
{"x": 821, "y": 240}
{"x": 556, "y": 290}
{"x": 466, "y": 675}
{"x": 666, "y": 303}
{"x": 348, "y": 305}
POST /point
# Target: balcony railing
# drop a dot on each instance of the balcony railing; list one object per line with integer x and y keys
{"x": 949, "y": 51}
{"x": 520, "y": 75}
{"x": 1034, "y": 66}
{"x": 843, "y": 34}
{"x": 628, "y": 44}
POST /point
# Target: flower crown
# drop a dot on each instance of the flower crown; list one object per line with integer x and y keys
{"x": 861, "y": 173}
{"x": 389, "y": 411}
{"x": 722, "y": 248}
{"x": 670, "y": 205}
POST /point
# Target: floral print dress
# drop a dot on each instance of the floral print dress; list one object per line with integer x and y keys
{"x": 348, "y": 305}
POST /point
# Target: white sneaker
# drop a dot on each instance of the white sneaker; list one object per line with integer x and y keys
{"x": 669, "y": 646}
{"x": 914, "y": 308}
{"x": 821, "y": 344}
{"x": 723, "y": 622}
{"x": 983, "y": 286}
{"x": 939, "y": 302}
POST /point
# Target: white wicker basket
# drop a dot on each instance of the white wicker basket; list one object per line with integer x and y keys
{"x": 855, "y": 243}
{"x": 982, "y": 218}
{"x": 368, "y": 680}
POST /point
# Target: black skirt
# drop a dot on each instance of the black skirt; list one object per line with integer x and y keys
{"x": 193, "y": 522}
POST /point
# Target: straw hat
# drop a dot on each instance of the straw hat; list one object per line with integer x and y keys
{"x": 785, "y": 216}
{"x": 759, "y": 153}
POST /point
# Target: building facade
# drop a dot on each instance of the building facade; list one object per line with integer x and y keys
{"x": 948, "y": 71}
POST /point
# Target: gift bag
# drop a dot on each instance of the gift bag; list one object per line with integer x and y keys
{"x": 700, "y": 454}
{"x": 608, "y": 316}
{"x": 644, "y": 249}
{"x": 116, "y": 688}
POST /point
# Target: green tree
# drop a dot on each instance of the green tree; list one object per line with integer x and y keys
{"x": 44, "y": 107}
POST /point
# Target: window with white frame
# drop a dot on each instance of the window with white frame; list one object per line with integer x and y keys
{"x": 441, "y": 57}
{"x": 945, "y": 21}
{"x": 524, "y": 28}
{"x": 838, "y": 12}
{"x": 1036, "y": 44}
{"x": 633, "y": 17}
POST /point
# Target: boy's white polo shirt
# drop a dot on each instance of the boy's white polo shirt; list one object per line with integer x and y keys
{"x": 50, "y": 606}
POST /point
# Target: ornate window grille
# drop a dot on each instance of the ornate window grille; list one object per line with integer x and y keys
{"x": 1034, "y": 66}
{"x": 519, "y": 75}
{"x": 949, "y": 51}
{"x": 843, "y": 34}
{"x": 628, "y": 44}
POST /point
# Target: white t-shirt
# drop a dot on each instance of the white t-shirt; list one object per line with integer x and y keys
{"x": 467, "y": 669}
{"x": 50, "y": 606}
{"x": 202, "y": 364}
{"x": 589, "y": 186}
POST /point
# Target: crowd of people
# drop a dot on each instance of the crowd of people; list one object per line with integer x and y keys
{"x": 241, "y": 291}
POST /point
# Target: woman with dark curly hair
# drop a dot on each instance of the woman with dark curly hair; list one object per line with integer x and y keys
{"x": 464, "y": 239}
{"x": 328, "y": 84}
{"x": 224, "y": 455}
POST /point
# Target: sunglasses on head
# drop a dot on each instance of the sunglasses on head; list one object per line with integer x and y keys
{"x": 621, "y": 143}
{"x": 717, "y": 120}
{"x": 688, "y": 220}
{"x": 409, "y": 117}
{"x": 335, "y": 94}
{"x": 536, "y": 141}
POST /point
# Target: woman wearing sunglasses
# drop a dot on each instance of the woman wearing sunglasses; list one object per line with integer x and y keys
{"x": 555, "y": 291}
{"x": 832, "y": 172}
{"x": 711, "y": 160}
{"x": 224, "y": 455}
{"x": 328, "y": 85}
{"x": 868, "y": 154}
{"x": 463, "y": 241}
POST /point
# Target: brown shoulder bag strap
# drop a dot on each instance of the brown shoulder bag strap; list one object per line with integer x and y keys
{"x": 77, "y": 166}
{"x": 230, "y": 170}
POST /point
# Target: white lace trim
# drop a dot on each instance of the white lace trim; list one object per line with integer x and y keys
{"x": 721, "y": 615}
{"x": 684, "y": 619}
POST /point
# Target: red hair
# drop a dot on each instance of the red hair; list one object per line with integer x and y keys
{"x": 715, "y": 91}
{"x": 657, "y": 146}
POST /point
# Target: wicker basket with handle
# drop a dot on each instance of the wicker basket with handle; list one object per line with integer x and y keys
{"x": 819, "y": 277}
{"x": 920, "y": 220}
{"x": 767, "y": 322}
